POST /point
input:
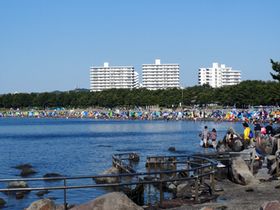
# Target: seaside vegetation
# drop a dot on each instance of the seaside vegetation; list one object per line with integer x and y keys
{"x": 250, "y": 92}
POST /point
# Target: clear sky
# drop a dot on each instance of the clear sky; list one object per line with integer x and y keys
{"x": 48, "y": 45}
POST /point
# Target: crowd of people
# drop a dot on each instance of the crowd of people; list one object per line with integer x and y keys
{"x": 261, "y": 136}
{"x": 229, "y": 114}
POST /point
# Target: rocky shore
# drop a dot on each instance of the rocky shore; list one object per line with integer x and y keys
{"x": 241, "y": 190}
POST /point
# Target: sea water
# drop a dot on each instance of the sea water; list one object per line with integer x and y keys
{"x": 84, "y": 147}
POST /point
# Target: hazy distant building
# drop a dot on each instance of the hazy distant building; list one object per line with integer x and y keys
{"x": 219, "y": 75}
{"x": 160, "y": 76}
{"x": 107, "y": 77}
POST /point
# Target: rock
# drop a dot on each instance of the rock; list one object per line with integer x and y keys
{"x": 263, "y": 174}
{"x": 240, "y": 172}
{"x": 110, "y": 201}
{"x": 134, "y": 157}
{"x": 27, "y": 171}
{"x": 272, "y": 169}
{"x": 18, "y": 193}
{"x": 23, "y": 166}
{"x": 172, "y": 149}
{"x": 270, "y": 160}
{"x": 237, "y": 146}
{"x": 42, "y": 192}
{"x": 52, "y": 175}
{"x": 44, "y": 204}
{"x": 271, "y": 205}
{"x": 2, "y": 202}
{"x": 108, "y": 180}
{"x": 184, "y": 191}
{"x": 17, "y": 184}
{"x": 171, "y": 187}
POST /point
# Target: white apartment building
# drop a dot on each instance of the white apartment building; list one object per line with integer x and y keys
{"x": 219, "y": 75}
{"x": 160, "y": 76}
{"x": 107, "y": 77}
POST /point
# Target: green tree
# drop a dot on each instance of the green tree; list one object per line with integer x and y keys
{"x": 276, "y": 68}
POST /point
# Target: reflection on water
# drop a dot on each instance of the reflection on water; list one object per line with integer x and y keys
{"x": 74, "y": 147}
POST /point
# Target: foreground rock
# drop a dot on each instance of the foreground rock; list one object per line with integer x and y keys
{"x": 110, "y": 201}
{"x": 271, "y": 205}
{"x": 240, "y": 172}
{"x": 108, "y": 180}
{"x": 44, "y": 204}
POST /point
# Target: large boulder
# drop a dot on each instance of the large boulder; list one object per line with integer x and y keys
{"x": 271, "y": 205}
{"x": 108, "y": 180}
{"x": 44, "y": 204}
{"x": 240, "y": 172}
{"x": 110, "y": 201}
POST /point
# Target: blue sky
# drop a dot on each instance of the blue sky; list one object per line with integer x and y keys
{"x": 48, "y": 45}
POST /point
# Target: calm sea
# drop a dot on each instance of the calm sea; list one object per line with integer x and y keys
{"x": 74, "y": 147}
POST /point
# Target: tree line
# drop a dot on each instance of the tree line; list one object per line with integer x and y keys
{"x": 250, "y": 92}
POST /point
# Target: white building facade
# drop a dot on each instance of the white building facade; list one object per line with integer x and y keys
{"x": 108, "y": 77}
{"x": 160, "y": 76}
{"x": 219, "y": 75}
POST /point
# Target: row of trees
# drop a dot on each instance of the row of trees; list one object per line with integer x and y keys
{"x": 241, "y": 95}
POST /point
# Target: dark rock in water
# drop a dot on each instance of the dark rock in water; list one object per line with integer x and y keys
{"x": 134, "y": 157}
{"x": 172, "y": 149}
{"x": 2, "y": 202}
{"x": 17, "y": 184}
{"x": 108, "y": 180}
{"x": 20, "y": 195}
{"x": 42, "y": 193}
{"x": 23, "y": 166}
{"x": 53, "y": 175}
{"x": 27, "y": 172}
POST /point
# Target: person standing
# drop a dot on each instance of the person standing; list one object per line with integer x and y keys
{"x": 269, "y": 129}
{"x": 213, "y": 136}
{"x": 205, "y": 136}
{"x": 246, "y": 135}
{"x": 257, "y": 129}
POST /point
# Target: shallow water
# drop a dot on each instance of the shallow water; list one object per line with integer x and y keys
{"x": 74, "y": 147}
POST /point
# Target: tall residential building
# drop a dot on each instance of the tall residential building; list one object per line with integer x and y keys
{"x": 219, "y": 75}
{"x": 107, "y": 77}
{"x": 160, "y": 76}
